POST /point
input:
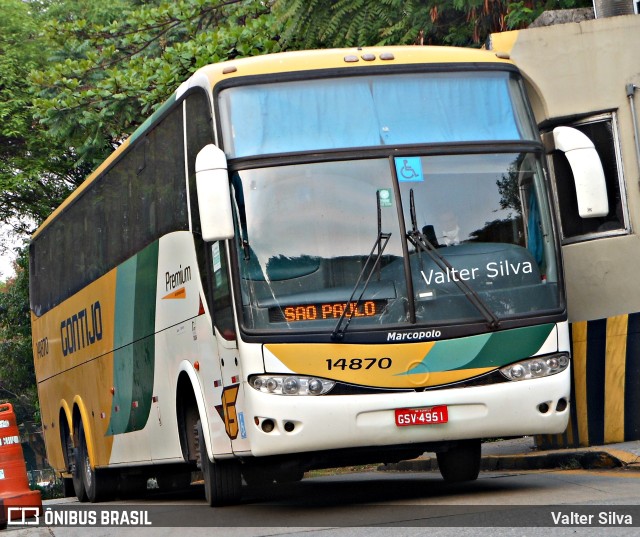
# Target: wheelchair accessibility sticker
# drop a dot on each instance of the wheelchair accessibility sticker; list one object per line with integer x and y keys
{"x": 409, "y": 169}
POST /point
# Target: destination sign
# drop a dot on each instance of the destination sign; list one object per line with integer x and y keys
{"x": 325, "y": 310}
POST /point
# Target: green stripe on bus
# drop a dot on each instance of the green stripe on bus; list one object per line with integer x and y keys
{"x": 485, "y": 350}
{"x": 507, "y": 347}
{"x": 144, "y": 335}
{"x": 134, "y": 341}
{"x": 123, "y": 353}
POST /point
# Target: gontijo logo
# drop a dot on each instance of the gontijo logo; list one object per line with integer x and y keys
{"x": 81, "y": 329}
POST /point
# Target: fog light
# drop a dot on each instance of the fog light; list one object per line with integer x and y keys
{"x": 268, "y": 425}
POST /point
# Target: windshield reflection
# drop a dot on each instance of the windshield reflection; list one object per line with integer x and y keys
{"x": 305, "y": 234}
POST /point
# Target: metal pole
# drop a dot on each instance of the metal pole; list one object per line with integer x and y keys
{"x": 631, "y": 89}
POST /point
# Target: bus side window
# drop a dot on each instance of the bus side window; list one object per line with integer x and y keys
{"x": 222, "y": 303}
{"x": 212, "y": 259}
{"x": 602, "y": 131}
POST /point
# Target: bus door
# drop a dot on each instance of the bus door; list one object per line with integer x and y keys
{"x": 231, "y": 397}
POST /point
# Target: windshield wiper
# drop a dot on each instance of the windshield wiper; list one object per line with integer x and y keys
{"x": 350, "y": 309}
{"x": 420, "y": 242}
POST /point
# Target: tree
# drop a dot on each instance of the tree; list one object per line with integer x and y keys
{"x": 17, "y": 377}
{"x": 36, "y": 172}
{"x": 108, "y": 75}
{"x": 340, "y": 23}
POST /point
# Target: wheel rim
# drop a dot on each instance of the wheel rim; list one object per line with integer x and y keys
{"x": 86, "y": 463}
{"x": 88, "y": 474}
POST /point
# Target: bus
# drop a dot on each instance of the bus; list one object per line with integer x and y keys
{"x": 305, "y": 260}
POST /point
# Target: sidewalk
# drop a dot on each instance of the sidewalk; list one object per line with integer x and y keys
{"x": 521, "y": 454}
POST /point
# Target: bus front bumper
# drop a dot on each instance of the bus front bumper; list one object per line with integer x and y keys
{"x": 279, "y": 424}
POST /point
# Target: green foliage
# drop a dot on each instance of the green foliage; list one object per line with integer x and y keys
{"x": 348, "y": 23}
{"x": 36, "y": 172}
{"x": 51, "y": 492}
{"x": 17, "y": 377}
{"x": 111, "y": 73}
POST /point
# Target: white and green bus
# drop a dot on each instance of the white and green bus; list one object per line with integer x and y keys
{"x": 305, "y": 260}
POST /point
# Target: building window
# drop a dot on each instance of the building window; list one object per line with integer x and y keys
{"x": 602, "y": 131}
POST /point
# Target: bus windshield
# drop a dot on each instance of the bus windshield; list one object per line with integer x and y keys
{"x": 305, "y": 232}
{"x": 370, "y": 111}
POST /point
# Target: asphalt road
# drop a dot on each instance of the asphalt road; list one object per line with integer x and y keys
{"x": 554, "y": 502}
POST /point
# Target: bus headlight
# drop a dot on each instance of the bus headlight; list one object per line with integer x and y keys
{"x": 540, "y": 366}
{"x": 290, "y": 385}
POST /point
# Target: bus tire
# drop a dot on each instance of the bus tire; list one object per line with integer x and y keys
{"x": 99, "y": 485}
{"x": 222, "y": 479}
{"x": 76, "y": 470}
{"x": 460, "y": 462}
{"x": 66, "y": 442}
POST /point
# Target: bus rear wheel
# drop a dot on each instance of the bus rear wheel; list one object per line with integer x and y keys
{"x": 98, "y": 485}
{"x": 461, "y": 462}
{"x": 222, "y": 479}
{"x": 78, "y": 461}
{"x": 68, "y": 453}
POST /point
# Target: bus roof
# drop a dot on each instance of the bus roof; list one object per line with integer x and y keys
{"x": 285, "y": 62}
{"x": 288, "y": 62}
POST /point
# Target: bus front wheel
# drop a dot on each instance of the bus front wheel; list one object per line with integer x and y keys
{"x": 222, "y": 479}
{"x": 461, "y": 462}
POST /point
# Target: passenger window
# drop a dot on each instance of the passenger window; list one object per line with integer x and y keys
{"x": 602, "y": 131}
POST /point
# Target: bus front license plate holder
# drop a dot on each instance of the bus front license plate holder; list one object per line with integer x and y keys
{"x": 406, "y": 417}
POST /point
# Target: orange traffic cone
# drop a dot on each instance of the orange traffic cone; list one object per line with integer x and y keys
{"x": 14, "y": 485}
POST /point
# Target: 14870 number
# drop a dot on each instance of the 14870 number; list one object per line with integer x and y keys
{"x": 358, "y": 363}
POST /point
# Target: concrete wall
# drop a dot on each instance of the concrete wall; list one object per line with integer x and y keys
{"x": 574, "y": 69}
{"x": 571, "y": 70}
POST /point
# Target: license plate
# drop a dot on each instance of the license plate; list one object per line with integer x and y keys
{"x": 421, "y": 416}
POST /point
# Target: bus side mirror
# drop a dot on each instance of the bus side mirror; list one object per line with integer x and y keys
{"x": 591, "y": 188}
{"x": 214, "y": 199}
